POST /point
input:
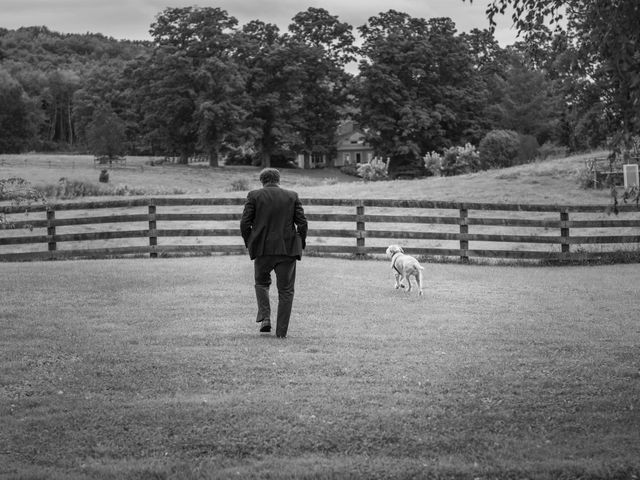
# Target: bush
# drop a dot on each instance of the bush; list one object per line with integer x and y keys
{"x": 104, "y": 176}
{"x": 239, "y": 185}
{"x": 433, "y": 163}
{"x": 499, "y": 149}
{"x": 584, "y": 178}
{"x": 459, "y": 160}
{"x": 283, "y": 160}
{"x": 66, "y": 188}
{"x": 376, "y": 169}
{"x": 20, "y": 193}
{"x": 350, "y": 169}
{"x": 237, "y": 157}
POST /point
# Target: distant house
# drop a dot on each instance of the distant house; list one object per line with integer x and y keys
{"x": 313, "y": 160}
{"x": 351, "y": 147}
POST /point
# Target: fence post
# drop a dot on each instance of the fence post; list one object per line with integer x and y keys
{"x": 564, "y": 231}
{"x": 360, "y": 228}
{"x": 153, "y": 233}
{"x": 464, "y": 230}
{"x": 51, "y": 230}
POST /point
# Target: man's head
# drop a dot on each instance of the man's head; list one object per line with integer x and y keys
{"x": 269, "y": 175}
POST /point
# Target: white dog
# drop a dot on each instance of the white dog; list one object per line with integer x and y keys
{"x": 404, "y": 267}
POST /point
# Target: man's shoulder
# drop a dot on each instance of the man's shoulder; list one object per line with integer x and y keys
{"x": 291, "y": 193}
{"x": 274, "y": 190}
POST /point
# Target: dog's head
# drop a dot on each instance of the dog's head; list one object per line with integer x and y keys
{"x": 392, "y": 250}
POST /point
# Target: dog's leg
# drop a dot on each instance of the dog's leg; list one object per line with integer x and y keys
{"x": 419, "y": 279}
{"x": 398, "y": 284}
{"x": 408, "y": 279}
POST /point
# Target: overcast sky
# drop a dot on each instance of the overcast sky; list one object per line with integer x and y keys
{"x": 130, "y": 19}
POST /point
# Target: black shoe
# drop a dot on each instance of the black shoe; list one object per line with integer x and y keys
{"x": 266, "y": 326}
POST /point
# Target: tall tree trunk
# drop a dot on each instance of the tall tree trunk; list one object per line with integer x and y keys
{"x": 214, "y": 157}
{"x": 53, "y": 119}
{"x": 70, "y": 123}
{"x": 266, "y": 159}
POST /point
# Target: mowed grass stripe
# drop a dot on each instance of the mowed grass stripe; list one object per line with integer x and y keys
{"x": 146, "y": 368}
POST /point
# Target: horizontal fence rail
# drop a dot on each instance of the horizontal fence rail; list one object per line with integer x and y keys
{"x": 188, "y": 226}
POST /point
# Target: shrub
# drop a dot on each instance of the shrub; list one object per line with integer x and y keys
{"x": 239, "y": 185}
{"x": 376, "y": 169}
{"x": 122, "y": 190}
{"x": 283, "y": 159}
{"x": 499, "y": 149}
{"x": 459, "y": 160}
{"x": 66, "y": 188}
{"x": 104, "y": 176}
{"x": 237, "y": 157}
{"x": 433, "y": 163}
{"x": 350, "y": 169}
{"x": 584, "y": 178}
{"x": 20, "y": 193}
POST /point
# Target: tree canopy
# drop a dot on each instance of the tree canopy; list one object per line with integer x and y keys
{"x": 206, "y": 85}
{"x": 605, "y": 39}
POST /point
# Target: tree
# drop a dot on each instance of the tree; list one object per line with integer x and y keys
{"x": 529, "y": 103}
{"x": 198, "y": 32}
{"x": 606, "y": 36}
{"x": 317, "y": 27}
{"x": 202, "y": 82}
{"x": 17, "y": 130}
{"x": 220, "y": 107}
{"x": 58, "y": 70}
{"x": 167, "y": 100}
{"x": 107, "y": 86}
{"x": 325, "y": 46}
{"x": 417, "y": 87}
{"x": 58, "y": 101}
{"x": 105, "y": 134}
{"x": 274, "y": 69}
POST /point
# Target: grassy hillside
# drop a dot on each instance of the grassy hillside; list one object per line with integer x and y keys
{"x": 551, "y": 181}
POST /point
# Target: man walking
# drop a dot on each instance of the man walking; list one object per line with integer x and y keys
{"x": 274, "y": 229}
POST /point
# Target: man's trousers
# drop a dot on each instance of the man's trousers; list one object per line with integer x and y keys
{"x": 285, "y": 269}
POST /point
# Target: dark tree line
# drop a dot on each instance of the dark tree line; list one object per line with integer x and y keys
{"x": 206, "y": 85}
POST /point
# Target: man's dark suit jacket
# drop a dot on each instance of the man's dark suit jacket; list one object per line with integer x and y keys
{"x": 273, "y": 222}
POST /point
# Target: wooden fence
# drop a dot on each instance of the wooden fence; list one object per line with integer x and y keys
{"x": 188, "y": 226}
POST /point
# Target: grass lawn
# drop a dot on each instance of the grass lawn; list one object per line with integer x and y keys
{"x": 154, "y": 369}
{"x": 551, "y": 181}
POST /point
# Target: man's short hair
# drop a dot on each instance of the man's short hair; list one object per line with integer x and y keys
{"x": 269, "y": 175}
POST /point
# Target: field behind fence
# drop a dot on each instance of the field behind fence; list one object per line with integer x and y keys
{"x": 161, "y": 226}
